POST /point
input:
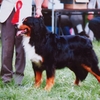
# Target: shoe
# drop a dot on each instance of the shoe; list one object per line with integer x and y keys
{"x": 83, "y": 34}
{"x": 6, "y": 79}
{"x": 18, "y": 79}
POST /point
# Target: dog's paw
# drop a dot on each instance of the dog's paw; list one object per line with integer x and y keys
{"x": 47, "y": 88}
{"x": 37, "y": 85}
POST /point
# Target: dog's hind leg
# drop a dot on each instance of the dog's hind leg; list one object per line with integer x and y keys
{"x": 49, "y": 83}
{"x": 38, "y": 78}
{"x": 90, "y": 70}
{"x": 76, "y": 81}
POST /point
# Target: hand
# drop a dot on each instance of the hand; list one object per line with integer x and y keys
{"x": 38, "y": 12}
{"x": 90, "y": 16}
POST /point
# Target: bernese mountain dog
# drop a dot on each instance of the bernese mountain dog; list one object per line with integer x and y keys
{"x": 49, "y": 51}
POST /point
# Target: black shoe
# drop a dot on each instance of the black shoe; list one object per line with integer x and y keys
{"x": 83, "y": 34}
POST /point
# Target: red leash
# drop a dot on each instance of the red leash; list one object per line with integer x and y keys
{"x": 15, "y": 18}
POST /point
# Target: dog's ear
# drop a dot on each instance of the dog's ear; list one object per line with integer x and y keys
{"x": 42, "y": 21}
{"x": 29, "y": 21}
{"x": 42, "y": 24}
{"x": 38, "y": 28}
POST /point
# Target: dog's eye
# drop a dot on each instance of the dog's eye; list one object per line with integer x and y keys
{"x": 26, "y": 30}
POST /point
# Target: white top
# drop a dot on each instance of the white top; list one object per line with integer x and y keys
{"x": 92, "y": 4}
{"x": 8, "y": 5}
{"x": 82, "y": 1}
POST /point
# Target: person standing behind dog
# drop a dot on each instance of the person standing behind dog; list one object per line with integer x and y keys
{"x": 94, "y": 21}
{"x": 9, "y": 39}
{"x": 74, "y": 19}
{"x": 93, "y": 4}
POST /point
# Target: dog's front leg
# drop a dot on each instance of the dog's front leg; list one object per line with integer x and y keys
{"x": 50, "y": 79}
{"x": 38, "y": 78}
{"x": 49, "y": 83}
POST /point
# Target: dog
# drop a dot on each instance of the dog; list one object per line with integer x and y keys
{"x": 49, "y": 51}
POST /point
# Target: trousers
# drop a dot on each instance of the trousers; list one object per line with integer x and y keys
{"x": 94, "y": 25}
{"x": 11, "y": 44}
{"x": 71, "y": 20}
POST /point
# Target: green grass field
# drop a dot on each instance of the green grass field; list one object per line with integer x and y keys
{"x": 64, "y": 89}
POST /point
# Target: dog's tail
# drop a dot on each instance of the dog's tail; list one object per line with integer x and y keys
{"x": 89, "y": 60}
{"x": 92, "y": 61}
{"x": 91, "y": 64}
{"x": 88, "y": 54}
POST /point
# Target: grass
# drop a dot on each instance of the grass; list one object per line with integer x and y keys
{"x": 64, "y": 89}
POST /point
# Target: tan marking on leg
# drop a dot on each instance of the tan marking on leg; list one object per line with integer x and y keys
{"x": 93, "y": 73}
{"x": 76, "y": 81}
{"x": 38, "y": 79}
{"x": 49, "y": 83}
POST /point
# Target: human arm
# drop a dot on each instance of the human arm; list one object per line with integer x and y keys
{"x": 39, "y": 4}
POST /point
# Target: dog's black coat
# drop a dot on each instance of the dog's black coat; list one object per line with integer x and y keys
{"x": 61, "y": 51}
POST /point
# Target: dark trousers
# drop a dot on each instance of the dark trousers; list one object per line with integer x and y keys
{"x": 94, "y": 25}
{"x": 71, "y": 20}
{"x": 9, "y": 42}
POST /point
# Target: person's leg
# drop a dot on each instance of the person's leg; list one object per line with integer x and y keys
{"x": 77, "y": 22}
{"x": 66, "y": 30}
{"x": 19, "y": 61}
{"x": 74, "y": 20}
{"x": 7, "y": 37}
{"x": 94, "y": 25}
{"x": 64, "y": 24}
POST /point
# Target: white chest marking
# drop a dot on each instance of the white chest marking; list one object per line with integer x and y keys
{"x": 30, "y": 51}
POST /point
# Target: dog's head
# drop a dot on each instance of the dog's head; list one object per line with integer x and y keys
{"x": 32, "y": 27}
